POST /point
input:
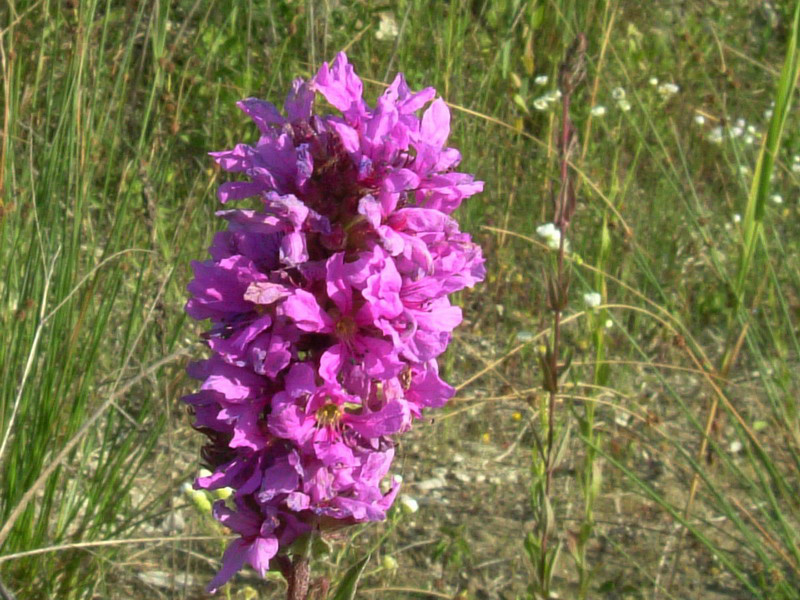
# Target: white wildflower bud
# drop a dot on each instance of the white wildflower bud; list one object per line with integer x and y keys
{"x": 776, "y": 198}
{"x": 715, "y": 135}
{"x": 598, "y": 111}
{"x": 699, "y": 119}
{"x": 540, "y": 80}
{"x": 668, "y": 89}
{"x": 618, "y": 93}
{"x": 653, "y": 81}
{"x": 541, "y": 103}
{"x": 387, "y": 28}
{"x": 408, "y": 504}
{"x": 622, "y": 418}
{"x": 551, "y": 235}
{"x": 737, "y": 218}
{"x": 546, "y": 230}
{"x": 592, "y": 299}
{"x": 624, "y": 105}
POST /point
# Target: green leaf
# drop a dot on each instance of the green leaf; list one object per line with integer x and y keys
{"x": 349, "y": 583}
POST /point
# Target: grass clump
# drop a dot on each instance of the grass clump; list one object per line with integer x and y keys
{"x": 680, "y": 475}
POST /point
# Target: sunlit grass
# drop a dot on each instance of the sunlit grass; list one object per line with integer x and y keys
{"x": 682, "y": 389}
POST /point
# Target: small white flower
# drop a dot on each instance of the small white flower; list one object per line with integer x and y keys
{"x": 737, "y": 218}
{"x": 715, "y": 136}
{"x": 547, "y": 230}
{"x": 735, "y": 132}
{"x": 699, "y": 119}
{"x": 387, "y": 28}
{"x": 408, "y": 504}
{"x": 749, "y": 139}
{"x": 551, "y": 235}
{"x": 622, "y": 418}
{"x": 540, "y": 80}
{"x": 624, "y": 105}
{"x": 555, "y": 95}
{"x": 609, "y": 323}
{"x": 776, "y": 198}
{"x": 741, "y": 123}
{"x": 668, "y": 89}
{"x": 751, "y": 129}
{"x": 592, "y": 299}
{"x": 541, "y": 103}
{"x": 744, "y": 170}
{"x": 796, "y": 158}
{"x": 796, "y": 167}
{"x": 735, "y": 447}
{"x": 598, "y": 111}
{"x": 768, "y": 113}
{"x": 653, "y": 81}
{"x": 618, "y": 93}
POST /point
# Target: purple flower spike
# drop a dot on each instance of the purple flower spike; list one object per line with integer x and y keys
{"x": 328, "y": 308}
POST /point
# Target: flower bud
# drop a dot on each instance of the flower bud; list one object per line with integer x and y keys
{"x": 223, "y": 493}
{"x": 408, "y": 504}
{"x": 198, "y": 497}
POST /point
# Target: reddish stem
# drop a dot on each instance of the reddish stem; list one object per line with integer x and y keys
{"x": 297, "y": 573}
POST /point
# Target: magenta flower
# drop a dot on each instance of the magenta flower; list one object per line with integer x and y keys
{"x": 351, "y": 316}
{"x": 322, "y": 420}
{"x": 261, "y": 535}
{"x": 328, "y": 308}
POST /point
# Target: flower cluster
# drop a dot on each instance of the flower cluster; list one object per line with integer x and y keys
{"x": 328, "y": 307}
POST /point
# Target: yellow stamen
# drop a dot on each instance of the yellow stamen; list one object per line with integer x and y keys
{"x": 329, "y": 414}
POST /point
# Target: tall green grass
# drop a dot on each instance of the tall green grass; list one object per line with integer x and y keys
{"x": 108, "y": 110}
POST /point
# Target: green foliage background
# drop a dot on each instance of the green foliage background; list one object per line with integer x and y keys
{"x": 107, "y": 194}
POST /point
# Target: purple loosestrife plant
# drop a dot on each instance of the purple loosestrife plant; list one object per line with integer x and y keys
{"x": 328, "y": 308}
